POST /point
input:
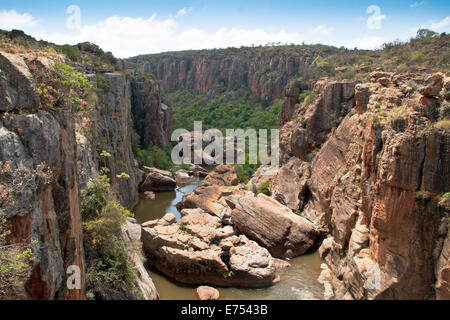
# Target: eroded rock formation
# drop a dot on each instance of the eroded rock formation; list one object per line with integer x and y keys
{"x": 374, "y": 167}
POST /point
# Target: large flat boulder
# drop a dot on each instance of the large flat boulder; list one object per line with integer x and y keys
{"x": 157, "y": 180}
{"x": 272, "y": 225}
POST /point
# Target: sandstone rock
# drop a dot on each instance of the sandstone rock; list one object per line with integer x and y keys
{"x": 207, "y": 293}
{"x": 430, "y": 91}
{"x": 131, "y": 232}
{"x": 17, "y": 85}
{"x": 384, "y": 81}
{"x": 44, "y": 213}
{"x": 198, "y": 171}
{"x": 433, "y": 85}
{"x": 211, "y": 198}
{"x": 201, "y": 250}
{"x": 291, "y": 93}
{"x": 262, "y": 175}
{"x": 223, "y": 175}
{"x": 113, "y": 128}
{"x": 362, "y": 96}
{"x": 315, "y": 122}
{"x": 294, "y": 193}
{"x": 182, "y": 178}
{"x": 157, "y": 180}
{"x": 273, "y": 225}
{"x": 442, "y": 268}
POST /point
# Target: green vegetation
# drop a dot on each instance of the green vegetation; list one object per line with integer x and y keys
{"x": 244, "y": 112}
{"x": 108, "y": 268}
{"x": 264, "y": 188}
{"x": 65, "y": 87}
{"x": 245, "y": 171}
{"x": 72, "y": 52}
{"x": 102, "y": 83}
{"x": 304, "y": 95}
{"x": 15, "y": 265}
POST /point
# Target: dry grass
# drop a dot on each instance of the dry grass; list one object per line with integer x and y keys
{"x": 443, "y": 124}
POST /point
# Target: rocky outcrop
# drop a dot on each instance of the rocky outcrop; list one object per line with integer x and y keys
{"x": 201, "y": 250}
{"x": 157, "y": 180}
{"x": 17, "y": 86}
{"x": 152, "y": 119}
{"x": 312, "y": 124}
{"x": 182, "y": 177}
{"x": 290, "y": 101}
{"x": 131, "y": 232}
{"x": 274, "y": 226}
{"x": 376, "y": 177}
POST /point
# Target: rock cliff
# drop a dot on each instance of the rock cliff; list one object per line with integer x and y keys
{"x": 372, "y": 170}
{"x": 152, "y": 119}
{"x": 41, "y": 206}
{"x": 264, "y": 71}
{"x": 51, "y": 144}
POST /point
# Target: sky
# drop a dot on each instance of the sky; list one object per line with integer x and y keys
{"x": 133, "y": 27}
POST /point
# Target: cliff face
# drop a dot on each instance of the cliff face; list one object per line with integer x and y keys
{"x": 377, "y": 159}
{"x": 41, "y": 204}
{"x": 265, "y": 72}
{"x": 152, "y": 119}
{"x": 113, "y": 130}
{"x": 48, "y": 153}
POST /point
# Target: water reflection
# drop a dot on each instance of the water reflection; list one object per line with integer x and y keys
{"x": 164, "y": 202}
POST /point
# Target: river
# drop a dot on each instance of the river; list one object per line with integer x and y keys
{"x": 299, "y": 282}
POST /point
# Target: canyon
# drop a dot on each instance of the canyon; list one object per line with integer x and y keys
{"x": 363, "y": 178}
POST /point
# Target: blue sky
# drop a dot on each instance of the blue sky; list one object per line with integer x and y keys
{"x": 134, "y": 27}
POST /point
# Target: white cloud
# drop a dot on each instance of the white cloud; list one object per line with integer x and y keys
{"x": 183, "y": 12}
{"x": 441, "y": 24}
{"x": 12, "y": 20}
{"x": 125, "y": 36}
{"x": 321, "y": 29}
{"x": 417, "y": 4}
{"x": 370, "y": 43}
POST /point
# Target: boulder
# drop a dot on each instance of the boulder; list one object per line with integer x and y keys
{"x": 207, "y": 293}
{"x": 274, "y": 226}
{"x": 210, "y": 197}
{"x": 201, "y": 250}
{"x": 131, "y": 233}
{"x": 182, "y": 177}
{"x": 433, "y": 85}
{"x": 223, "y": 175}
{"x": 157, "y": 180}
{"x": 198, "y": 171}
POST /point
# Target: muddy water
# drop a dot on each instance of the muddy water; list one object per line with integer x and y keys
{"x": 299, "y": 282}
